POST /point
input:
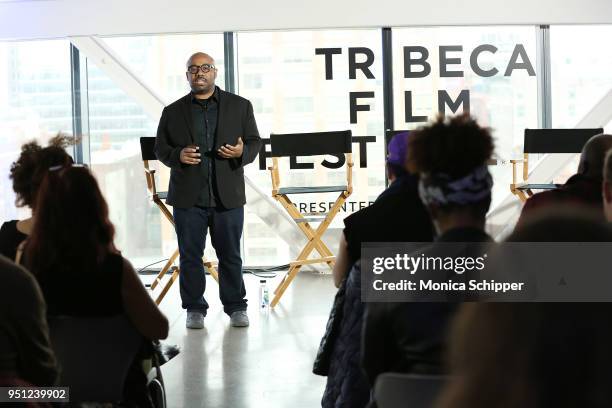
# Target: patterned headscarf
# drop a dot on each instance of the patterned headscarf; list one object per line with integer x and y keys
{"x": 439, "y": 189}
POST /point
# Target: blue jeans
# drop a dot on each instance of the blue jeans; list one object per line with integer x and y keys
{"x": 225, "y": 225}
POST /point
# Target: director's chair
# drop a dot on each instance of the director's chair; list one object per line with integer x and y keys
{"x": 310, "y": 144}
{"x": 541, "y": 141}
{"x": 147, "y": 149}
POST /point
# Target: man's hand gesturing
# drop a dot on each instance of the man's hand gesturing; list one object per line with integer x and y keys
{"x": 231, "y": 152}
{"x": 190, "y": 155}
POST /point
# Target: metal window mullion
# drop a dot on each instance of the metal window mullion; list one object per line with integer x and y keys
{"x": 80, "y": 105}
{"x": 387, "y": 68}
{"x": 229, "y": 61}
{"x": 75, "y": 93}
{"x": 543, "y": 65}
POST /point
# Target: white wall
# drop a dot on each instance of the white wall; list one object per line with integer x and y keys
{"x": 24, "y": 19}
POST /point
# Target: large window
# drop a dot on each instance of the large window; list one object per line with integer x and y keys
{"x": 159, "y": 61}
{"x": 581, "y": 71}
{"x": 580, "y": 77}
{"x": 284, "y": 75}
{"x": 298, "y": 81}
{"x": 116, "y": 122}
{"x": 35, "y": 103}
{"x": 489, "y": 71}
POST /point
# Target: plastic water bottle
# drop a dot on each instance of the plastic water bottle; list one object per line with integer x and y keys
{"x": 264, "y": 296}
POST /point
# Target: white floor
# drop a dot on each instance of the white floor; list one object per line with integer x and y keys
{"x": 268, "y": 364}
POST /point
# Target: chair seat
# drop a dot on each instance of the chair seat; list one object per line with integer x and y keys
{"x": 305, "y": 190}
{"x": 162, "y": 194}
{"x": 536, "y": 186}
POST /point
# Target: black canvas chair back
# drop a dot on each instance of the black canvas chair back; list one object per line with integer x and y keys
{"x": 147, "y": 152}
{"x": 546, "y": 141}
{"x": 95, "y": 355}
{"x": 310, "y": 144}
{"x": 539, "y": 141}
{"x": 395, "y": 390}
{"x": 147, "y": 148}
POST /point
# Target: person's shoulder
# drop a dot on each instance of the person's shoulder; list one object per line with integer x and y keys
{"x": 177, "y": 104}
{"x": 542, "y": 198}
{"x": 115, "y": 261}
{"x": 359, "y": 217}
{"x": 8, "y": 226}
{"x": 16, "y": 280}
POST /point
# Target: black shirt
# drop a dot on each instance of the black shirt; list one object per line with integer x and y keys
{"x": 10, "y": 238}
{"x": 397, "y": 215}
{"x": 205, "y": 113}
{"x": 412, "y": 337}
{"x": 95, "y": 292}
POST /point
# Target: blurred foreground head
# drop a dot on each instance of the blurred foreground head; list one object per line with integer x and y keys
{"x": 534, "y": 355}
{"x": 72, "y": 229}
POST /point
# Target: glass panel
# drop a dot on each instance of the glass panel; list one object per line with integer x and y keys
{"x": 491, "y": 68}
{"x": 35, "y": 103}
{"x": 116, "y": 124}
{"x": 160, "y": 60}
{"x": 581, "y": 71}
{"x": 285, "y": 80}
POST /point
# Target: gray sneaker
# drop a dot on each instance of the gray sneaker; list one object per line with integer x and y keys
{"x": 195, "y": 320}
{"x": 239, "y": 319}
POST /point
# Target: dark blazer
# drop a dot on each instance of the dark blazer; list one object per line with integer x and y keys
{"x": 175, "y": 131}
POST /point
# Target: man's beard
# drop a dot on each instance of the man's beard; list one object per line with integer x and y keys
{"x": 202, "y": 90}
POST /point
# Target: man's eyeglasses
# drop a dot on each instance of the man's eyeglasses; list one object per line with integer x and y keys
{"x": 205, "y": 68}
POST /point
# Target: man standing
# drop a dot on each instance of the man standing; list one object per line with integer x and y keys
{"x": 206, "y": 137}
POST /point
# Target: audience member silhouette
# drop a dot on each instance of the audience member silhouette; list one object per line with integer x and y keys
{"x": 397, "y": 215}
{"x": 71, "y": 252}
{"x": 26, "y": 357}
{"x": 534, "y": 354}
{"x": 450, "y": 156}
{"x": 27, "y": 173}
{"x": 584, "y": 188}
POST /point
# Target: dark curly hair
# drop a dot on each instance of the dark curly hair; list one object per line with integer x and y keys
{"x": 451, "y": 145}
{"x": 28, "y": 171}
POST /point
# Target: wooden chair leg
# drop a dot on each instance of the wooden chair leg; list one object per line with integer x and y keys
{"x": 212, "y": 270}
{"x": 293, "y": 270}
{"x": 304, "y": 253}
{"x": 280, "y": 290}
{"x": 163, "y": 271}
{"x": 320, "y": 246}
{"x": 158, "y": 280}
{"x": 282, "y": 282}
{"x": 166, "y": 288}
{"x": 314, "y": 242}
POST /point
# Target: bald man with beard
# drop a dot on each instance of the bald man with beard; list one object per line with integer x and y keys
{"x": 583, "y": 189}
{"x": 206, "y": 138}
